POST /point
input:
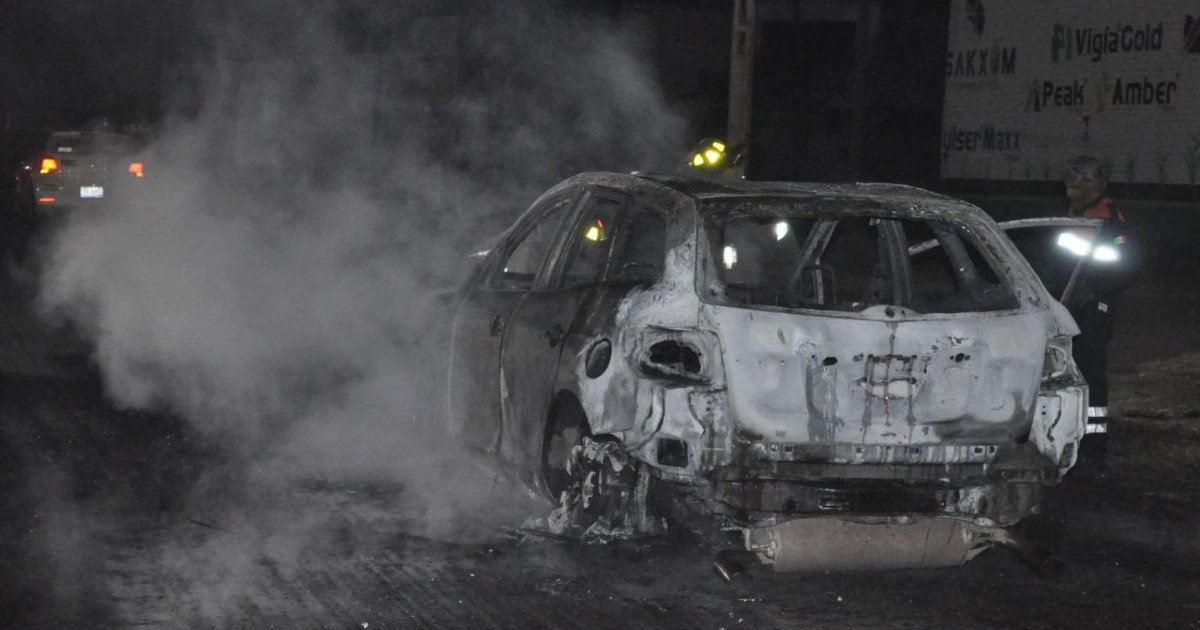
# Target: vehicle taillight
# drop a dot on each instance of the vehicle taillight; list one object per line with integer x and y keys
{"x": 679, "y": 355}
{"x": 1058, "y": 361}
{"x": 49, "y": 165}
{"x": 135, "y": 168}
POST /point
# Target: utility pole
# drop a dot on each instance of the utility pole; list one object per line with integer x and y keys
{"x": 741, "y": 75}
{"x": 866, "y": 37}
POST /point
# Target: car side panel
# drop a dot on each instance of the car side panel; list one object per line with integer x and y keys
{"x": 482, "y": 317}
{"x": 474, "y": 379}
{"x": 529, "y": 359}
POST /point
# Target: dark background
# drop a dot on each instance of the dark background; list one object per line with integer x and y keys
{"x": 69, "y": 64}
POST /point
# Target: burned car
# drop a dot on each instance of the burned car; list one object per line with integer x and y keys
{"x": 830, "y": 375}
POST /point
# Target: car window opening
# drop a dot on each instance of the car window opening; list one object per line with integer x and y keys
{"x": 790, "y": 258}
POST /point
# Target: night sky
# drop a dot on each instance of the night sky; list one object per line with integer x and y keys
{"x": 67, "y": 64}
{"x": 68, "y": 61}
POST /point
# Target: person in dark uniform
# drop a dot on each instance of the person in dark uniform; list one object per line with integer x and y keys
{"x": 1108, "y": 273}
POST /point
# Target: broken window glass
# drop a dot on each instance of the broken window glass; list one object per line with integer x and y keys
{"x": 526, "y": 258}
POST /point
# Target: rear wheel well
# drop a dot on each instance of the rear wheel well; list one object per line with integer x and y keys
{"x": 566, "y": 425}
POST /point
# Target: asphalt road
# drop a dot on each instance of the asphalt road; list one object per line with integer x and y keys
{"x": 126, "y": 519}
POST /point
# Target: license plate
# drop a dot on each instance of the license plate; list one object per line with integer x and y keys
{"x": 91, "y": 192}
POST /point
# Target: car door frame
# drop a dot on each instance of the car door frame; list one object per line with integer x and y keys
{"x": 473, "y": 405}
{"x": 1081, "y": 265}
{"x": 1084, "y": 262}
{"x": 528, "y": 344}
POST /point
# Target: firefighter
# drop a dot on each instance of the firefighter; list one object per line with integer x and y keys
{"x": 1109, "y": 271}
{"x": 714, "y": 157}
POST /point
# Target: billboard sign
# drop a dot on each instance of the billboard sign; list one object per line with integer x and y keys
{"x": 1031, "y": 83}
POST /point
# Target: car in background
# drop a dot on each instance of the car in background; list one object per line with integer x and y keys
{"x": 835, "y": 375}
{"x": 76, "y": 169}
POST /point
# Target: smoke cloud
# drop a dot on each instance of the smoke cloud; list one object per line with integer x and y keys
{"x": 282, "y": 276}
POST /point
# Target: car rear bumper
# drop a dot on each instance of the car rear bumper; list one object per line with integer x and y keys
{"x": 750, "y": 502}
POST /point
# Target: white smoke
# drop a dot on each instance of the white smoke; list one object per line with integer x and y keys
{"x": 280, "y": 275}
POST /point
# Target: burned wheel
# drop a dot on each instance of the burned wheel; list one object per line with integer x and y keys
{"x": 599, "y": 488}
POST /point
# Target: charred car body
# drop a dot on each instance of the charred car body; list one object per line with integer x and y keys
{"x": 826, "y": 370}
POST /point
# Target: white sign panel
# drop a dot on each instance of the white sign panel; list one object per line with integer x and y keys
{"x": 1031, "y": 83}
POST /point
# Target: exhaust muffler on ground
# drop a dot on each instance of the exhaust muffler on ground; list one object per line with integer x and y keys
{"x": 826, "y": 543}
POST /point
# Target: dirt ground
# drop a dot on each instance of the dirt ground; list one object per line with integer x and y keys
{"x": 101, "y": 531}
{"x": 131, "y": 519}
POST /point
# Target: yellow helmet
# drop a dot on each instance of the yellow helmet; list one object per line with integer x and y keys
{"x": 713, "y": 155}
{"x": 710, "y": 153}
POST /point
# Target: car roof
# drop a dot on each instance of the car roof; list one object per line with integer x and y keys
{"x": 901, "y": 199}
{"x": 702, "y": 187}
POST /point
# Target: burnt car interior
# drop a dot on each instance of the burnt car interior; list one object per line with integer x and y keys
{"x": 853, "y": 262}
{"x": 613, "y": 242}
